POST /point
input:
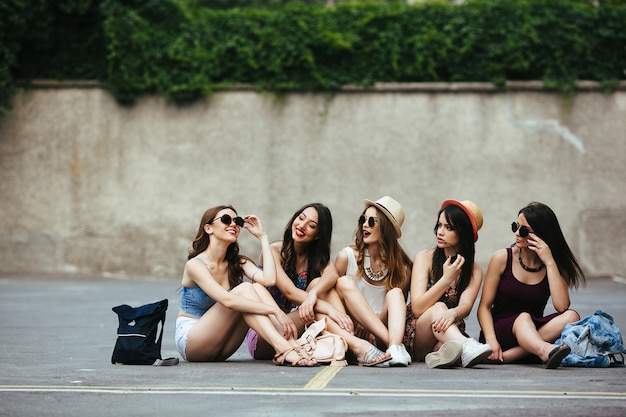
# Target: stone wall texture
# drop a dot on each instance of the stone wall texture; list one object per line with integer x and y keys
{"x": 91, "y": 187}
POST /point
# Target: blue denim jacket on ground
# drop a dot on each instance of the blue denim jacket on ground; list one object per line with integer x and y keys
{"x": 592, "y": 340}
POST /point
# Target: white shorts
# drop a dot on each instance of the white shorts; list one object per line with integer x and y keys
{"x": 183, "y": 325}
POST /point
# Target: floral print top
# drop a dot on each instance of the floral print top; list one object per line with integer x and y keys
{"x": 282, "y": 301}
{"x": 451, "y": 299}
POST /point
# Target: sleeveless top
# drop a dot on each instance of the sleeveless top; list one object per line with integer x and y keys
{"x": 374, "y": 294}
{"x": 283, "y": 302}
{"x": 514, "y": 297}
{"x": 193, "y": 300}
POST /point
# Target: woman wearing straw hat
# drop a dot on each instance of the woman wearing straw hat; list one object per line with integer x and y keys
{"x": 375, "y": 279}
{"x": 518, "y": 283}
{"x": 444, "y": 284}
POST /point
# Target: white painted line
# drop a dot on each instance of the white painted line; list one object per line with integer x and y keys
{"x": 295, "y": 392}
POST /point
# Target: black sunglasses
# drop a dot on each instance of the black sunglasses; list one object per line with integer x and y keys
{"x": 371, "y": 221}
{"x": 227, "y": 220}
{"x": 523, "y": 230}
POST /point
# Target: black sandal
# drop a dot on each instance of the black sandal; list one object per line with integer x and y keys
{"x": 557, "y": 355}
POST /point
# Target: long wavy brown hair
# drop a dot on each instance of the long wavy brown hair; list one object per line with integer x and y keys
{"x": 202, "y": 240}
{"x": 393, "y": 255}
{"x": 317, "y": 251}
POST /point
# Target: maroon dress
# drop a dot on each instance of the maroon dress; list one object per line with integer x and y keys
{"x": 513, "y": 298}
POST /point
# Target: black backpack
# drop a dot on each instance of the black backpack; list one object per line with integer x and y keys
{"x": 139, "y": 335}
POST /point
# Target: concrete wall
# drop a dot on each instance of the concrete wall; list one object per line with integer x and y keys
{"x": 88, "y": 186}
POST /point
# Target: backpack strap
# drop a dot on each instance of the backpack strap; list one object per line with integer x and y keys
{"x": 616, "y": 362}
{"x": 166, "y": 362}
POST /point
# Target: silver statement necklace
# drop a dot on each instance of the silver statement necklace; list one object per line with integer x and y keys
{"x": 373, "y": 276}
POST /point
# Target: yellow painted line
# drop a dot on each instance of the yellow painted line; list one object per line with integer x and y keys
{"x": 322, "y": 378}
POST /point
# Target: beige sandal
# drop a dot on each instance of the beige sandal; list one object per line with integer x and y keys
{"x": 280, "y": 358}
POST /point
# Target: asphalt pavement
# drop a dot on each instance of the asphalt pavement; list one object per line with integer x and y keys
{"x": 58, "y": 333}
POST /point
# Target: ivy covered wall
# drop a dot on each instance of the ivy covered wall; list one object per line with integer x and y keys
{"x": 185, "y": 49}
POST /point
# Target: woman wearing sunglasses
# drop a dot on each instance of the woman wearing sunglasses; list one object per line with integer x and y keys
{"x": 374, "y": 282}
{"x": 306, "y": 279}
{"x": 217, "y": 308}
{"x": 444, "y": 285}
{"x": 518, "y": 283}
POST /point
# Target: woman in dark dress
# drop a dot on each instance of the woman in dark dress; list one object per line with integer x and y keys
{"x": 518, "y": 283}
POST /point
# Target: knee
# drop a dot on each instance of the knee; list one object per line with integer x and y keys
{"x": 438, "y": 307}
{"x": 524, "y": 318}
{"x": 571, "y": 316}
{"x": 244, "y": 288}
{"x": 344, "y": 283}
{"x": 394, "y": 294}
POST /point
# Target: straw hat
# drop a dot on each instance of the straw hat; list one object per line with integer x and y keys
{"x": 472, "y": 211}
{"x": 391, "y": 209}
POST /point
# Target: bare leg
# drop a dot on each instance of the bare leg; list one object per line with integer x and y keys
{"x": 220, "y": 331}
{"x": 264, "y": 350}
{"x": 548, "y": 333}
{"x": 514, "y": 354}
{"x": 395, "y": 311}
{"x": 426, "y": 339}
{"x": 552, "y": 330}
{"x": 529, "y": 338}
{"x": 359, "y": 308}
{"x": 267, "y": 298}
{"x": 332, "y": 297}
{"x": 357, "y": 345}
{"x": 212, "y": 338}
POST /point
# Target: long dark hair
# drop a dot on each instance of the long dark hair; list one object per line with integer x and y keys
{"x": 392, "y": 254}
{"x": 544, "y": 223}
{"x": 462, "y": 225}
{"x": 201, "y": 243}
{"x": 317, "y": 251}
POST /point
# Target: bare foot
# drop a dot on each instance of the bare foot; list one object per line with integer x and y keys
{"x": 545, "y": 351}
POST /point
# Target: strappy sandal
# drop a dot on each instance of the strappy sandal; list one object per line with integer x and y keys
{"x": 373, "y": 357}
{"x": 280, "y": 358}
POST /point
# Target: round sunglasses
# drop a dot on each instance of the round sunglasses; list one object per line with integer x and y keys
{"x": 371, "y": 221}
{"x": 523, "y": 230}
{"x": 227, "y": 220}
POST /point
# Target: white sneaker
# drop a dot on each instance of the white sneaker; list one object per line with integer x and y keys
{"x": 446, "y": 357}
{"x": 398, "y": 357}
{"x": 474, "y": 352}
{"x": 407, "y": 355}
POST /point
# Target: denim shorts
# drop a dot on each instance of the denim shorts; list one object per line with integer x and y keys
{"x": 183, "y": 325}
